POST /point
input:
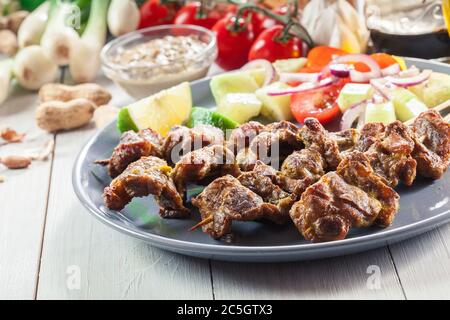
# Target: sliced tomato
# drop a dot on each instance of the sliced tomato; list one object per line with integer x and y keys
{"x": 322, "y": 55}
{"x": 320, "y": 103}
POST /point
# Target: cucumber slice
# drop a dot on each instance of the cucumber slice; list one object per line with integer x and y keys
{"x": 234, "y": 82}
{"x": 383, "y": 112}
{"x": 407, "y": 105}
{"x": 290, "y": 65}
{"x": 240, "y": 107}
{"x": 353, "y": 93}
{"x": 275, "y": 108}
{"x": 201, "y": 115}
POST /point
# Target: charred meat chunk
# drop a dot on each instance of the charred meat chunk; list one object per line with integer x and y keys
{"x": 431, "y": 135}
{"x": 389, "y": 151}
{"x": 180, "y": 140}
{"x": 133, "y": 146}
{"x": 271, "y": 146}
{"x": 346, "y": 140}
{"x": 315, "y": 137}
{"x": 356, "y": 170}
{"x": 301, "y": 169}
{"x": 203, "y": 165}
{"x": 262, "y": 181}
{"x": 242, "y": 136}
{"x": 226, "y": 199}
{"x": 147, "y": 176}
{"x": 330, "y": 207}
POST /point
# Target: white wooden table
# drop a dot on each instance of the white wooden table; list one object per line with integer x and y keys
{"x": 52, "y": 248}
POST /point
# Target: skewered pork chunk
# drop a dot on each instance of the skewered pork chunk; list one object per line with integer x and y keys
{"x": 301, "y": 169}
{"x": 262, "y": 181}
{"x": 353, "y": 196}
{"x": 180, "y": 140}
{"x": 389, "y": 151}
{"x": 431, "y": 135}
{"x": 202, "y": 165}
{"x": 356, "y": 170}
{"x": 149, "y": 175}
{"x": 241, "y": 137}
{"x": 330, "y": 207}
{"x": 271, "y": 146}
{"x": 346, "y": 140}
{"x": 225, "y": 200}
{"x": 315, "y": 137}
{"x": 133, "y": 146}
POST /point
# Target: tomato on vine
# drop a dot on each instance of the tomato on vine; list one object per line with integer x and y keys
{"x": 234, "y": 39}
{"x": 154, "y": 13}
{"x": 276, "y": 43}
{"x": 195, "y": 13}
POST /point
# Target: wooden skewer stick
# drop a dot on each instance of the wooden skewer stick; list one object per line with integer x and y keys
{"x": 202, "y": 223}
{"x": 440, "y": 108}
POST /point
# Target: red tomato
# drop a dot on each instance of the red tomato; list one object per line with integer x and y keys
{"x": 192, "y": 13}
{"x": 268, "y": 47}
{"x": 320, "y": 103}
{"x": 322, "y": 55}
{"x": 233, "y": 45}
{"x": 153, "y": 13}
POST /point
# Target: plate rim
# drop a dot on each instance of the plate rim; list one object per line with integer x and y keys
{"x": 194, "y": 248}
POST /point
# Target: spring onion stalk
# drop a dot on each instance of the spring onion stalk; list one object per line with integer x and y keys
{"x": 123, "y": 17}
{"x": 5, "y": 78}
{"x": 33, "y": 68}
{"x": 85, "y": 64}
{"x": 33, "y": 27}
{"x": 59, "y": 35}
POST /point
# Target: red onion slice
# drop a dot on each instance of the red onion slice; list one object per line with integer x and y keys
{"x": 393, "y": 69}
{"x": 351, "y": 114}
{"x": 356, "y": 76}
{"x": 410, "y": 72}
{"x": 306, "y": 86}
{"x": 300, "y": 77}
{"x": 340, "y": 70}
{"x": 269, "y": 70}
{"x": 410, "y": 81}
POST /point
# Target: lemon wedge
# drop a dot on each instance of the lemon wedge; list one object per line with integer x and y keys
{"x": 159, "y": 112}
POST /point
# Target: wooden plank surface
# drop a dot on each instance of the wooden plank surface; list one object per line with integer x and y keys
{"x": 23, "y": 200}
{"x": 369, "y": 275}
{"x": 83, "y": 259}
{"x": 423, "y": 264}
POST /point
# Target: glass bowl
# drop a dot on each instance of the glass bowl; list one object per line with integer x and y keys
{"x": 141, "y": 78}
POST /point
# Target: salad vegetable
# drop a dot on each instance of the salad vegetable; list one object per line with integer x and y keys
{"x": 123, "y": 17}
{"x": 5, "y": 78}
{"x": 240, "y": 107}
{"x": 380, "y": 112}
{"x": 201, "y": 115}
{"x": 275, "y": 108}
{"x": 33, "y": 27}
{"x": 234, "y": 82}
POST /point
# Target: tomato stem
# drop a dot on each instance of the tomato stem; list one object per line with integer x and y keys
{"x": 289, "y": 20}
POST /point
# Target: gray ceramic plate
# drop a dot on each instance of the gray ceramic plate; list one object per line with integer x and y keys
{"x": 422, "y": 207}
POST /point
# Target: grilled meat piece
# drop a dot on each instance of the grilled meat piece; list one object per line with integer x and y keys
{"x": 148, "y": 175}
{"x": 241, "y": 137}
{"x": 346, "y": 140}
{"x": 262, "y": 181}
{"x": 133, "y": 146}
{"x": 356, "y": 170}
{"x": 315, "y": 137}
{"x": 225, "y": 200}
{"x": 180, "y": 140}
{"x": 271, "y": 146}
{"x": 389, "y": 151}
{"x": 330, "y": 207}
{"x": 301, "y": 169}
{"x": 431, "y": 135}
{"x": 202, "y": 165}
